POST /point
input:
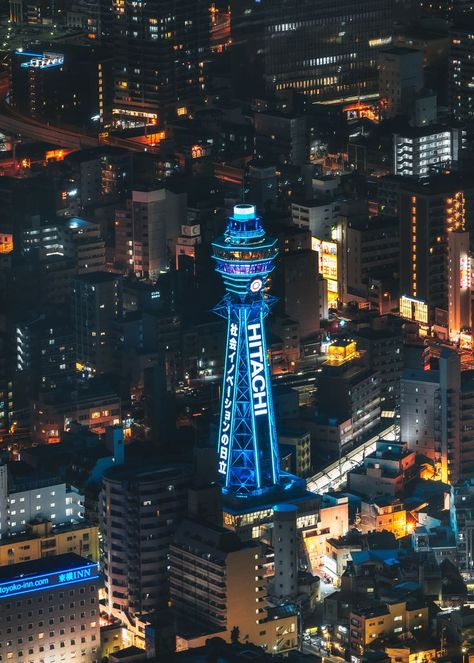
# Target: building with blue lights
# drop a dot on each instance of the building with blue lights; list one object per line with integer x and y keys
{"x": 248, "y": 459}
{"x": 49, "y": 610}
{"x": 248, "y": 449}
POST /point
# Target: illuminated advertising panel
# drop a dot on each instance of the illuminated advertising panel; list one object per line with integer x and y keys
{"x": 413, "y": 309}
{"x": 36, "y": 583}
{"x": 42, "y": 60}
{"x": 327, "y": 252}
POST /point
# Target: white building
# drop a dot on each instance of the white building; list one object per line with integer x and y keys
{"x": 418, "y": 150}
{"x": 317, "y": 215}
{"x": 30, "y": 497}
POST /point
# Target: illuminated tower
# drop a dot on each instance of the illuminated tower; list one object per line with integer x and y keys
{"x": 248, "y": 450}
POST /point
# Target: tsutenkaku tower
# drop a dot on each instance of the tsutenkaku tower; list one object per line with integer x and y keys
{"x": 247, "y": 446}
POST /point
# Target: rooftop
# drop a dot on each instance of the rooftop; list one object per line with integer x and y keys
{"x": 44, "y": 566}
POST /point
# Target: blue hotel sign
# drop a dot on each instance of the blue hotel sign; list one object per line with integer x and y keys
{"x": 36, "y": 583}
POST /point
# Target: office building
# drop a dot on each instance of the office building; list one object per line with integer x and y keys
{"x": 69, "y": 83}
{"x": 261, "y": 184}
{"x": 400, "y": 78}
{"x": 26, "y": 494}
{"x": 419, "y": 152}
{"x": 298, "y": 444}
{"x": 95, "y": 405}
{"x": 6, "y": 388}
{"x": 140, "y": 507}
{"x": 462, "y": 524}
{"x": 218, "y": 584}
{"x": 49, "y": 610}
{"x": 330, "y": 54}
{"x": 91, "y": 17}
{"x": 160, "y": 50}
{"x": 97, "y": 302}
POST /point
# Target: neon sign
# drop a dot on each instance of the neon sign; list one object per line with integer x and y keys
{"x": 36, "y": 583}
{"x": 259, "y": 383}
{"x": 464, "y": 271}
{"x": 228, "y": 398}
{"x": 42, "y": 60}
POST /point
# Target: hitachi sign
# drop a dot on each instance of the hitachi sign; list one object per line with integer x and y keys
{"x": 257, "y": 365}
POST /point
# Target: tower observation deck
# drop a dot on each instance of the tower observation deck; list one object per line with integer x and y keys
{"x": 248, "y": 460}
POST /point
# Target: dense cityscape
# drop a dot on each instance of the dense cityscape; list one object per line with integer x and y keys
{"x": 236, "y": 331}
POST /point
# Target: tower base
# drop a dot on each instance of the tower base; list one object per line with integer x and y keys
{"x": 243, "y": 514}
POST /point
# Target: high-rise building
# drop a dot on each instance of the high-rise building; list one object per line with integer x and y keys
{"x": 71, "y": 84}
{"x": 461, "y": 69}
{"x": 429, "y": 213}
{"x": 329, "y": 51}
{"x": 140, "y": 509}
{"x": 143, "y": 231}
{"x": 97, "y": 303}
{"x": 160, "y": 49}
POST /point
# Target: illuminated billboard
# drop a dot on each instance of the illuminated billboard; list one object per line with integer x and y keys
{"x": 41, "y": 60}
{"x": 36, "y": 583}
{"x": 327, "y": 252}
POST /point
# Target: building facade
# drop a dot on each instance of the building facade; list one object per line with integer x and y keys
{"x": 330, "y": 54}
{"x": 49, "y": 610}
{"x": 160, "y": 50}
{"x": 139, "y": 511}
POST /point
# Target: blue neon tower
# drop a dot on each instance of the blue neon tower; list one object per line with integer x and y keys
{"x": 248, "y": 449}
